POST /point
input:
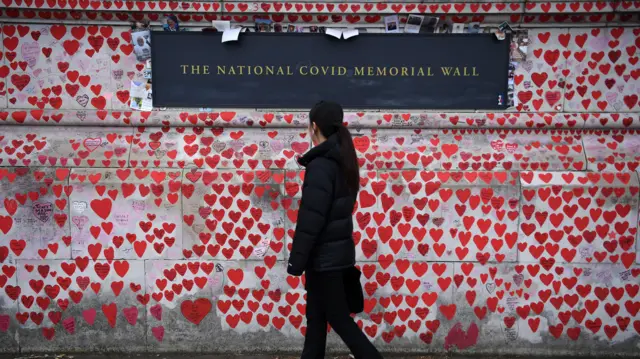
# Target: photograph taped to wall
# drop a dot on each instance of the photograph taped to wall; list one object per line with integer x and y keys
{"x": 391, "y": 24}
{"x": 141, "y": 25}
{"x": 413, "y": 24}
{"x": 518, "y": 55}
{"x": 429, "y": 25}
{"x": 458, "y": 28}
{"x": 505, "y": 27}
{"x": 141, "y": 96}
{"x": 142, "y": 44}
{"x": 263, "y": 25}
{"x": 519, "y": 45}
{"x": 171, "y": 23}
{"x": 445, "y": 27}
{"x": 474, "y": 28}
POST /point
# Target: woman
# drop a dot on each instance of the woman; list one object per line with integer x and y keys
{"x": 323, "y": 245}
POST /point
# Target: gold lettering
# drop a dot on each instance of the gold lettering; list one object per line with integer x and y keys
{"x": 328, "y": 70}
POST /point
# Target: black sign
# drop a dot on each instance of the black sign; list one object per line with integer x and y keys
{"x": 271, "y": 70}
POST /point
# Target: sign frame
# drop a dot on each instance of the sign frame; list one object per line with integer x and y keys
{"x": 216, "y": 37}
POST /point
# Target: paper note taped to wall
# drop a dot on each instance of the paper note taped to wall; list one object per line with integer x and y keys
{"x": 141, "y": 96}
{"x": 231, "y": 34}
{"x": 221, "y": 26}
{"x": 349, "y": 33}
{"x": 337, "y": 33}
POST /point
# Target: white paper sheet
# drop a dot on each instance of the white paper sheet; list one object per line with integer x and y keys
{"x": 349, "y": 33}
{"x": 337, "y": 33}
{"x": 147, "y": 101}
{"x": 221, "y": 25}
{"x": 140, "y": 97}
{"x": 137, "y": 89}
{"x": 231, "y": 35}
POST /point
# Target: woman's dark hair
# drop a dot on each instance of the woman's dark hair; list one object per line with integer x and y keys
{"x": 328, "y": 117}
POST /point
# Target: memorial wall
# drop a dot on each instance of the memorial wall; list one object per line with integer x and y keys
{"x": 491, "y": 220}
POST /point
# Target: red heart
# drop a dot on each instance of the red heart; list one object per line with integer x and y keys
{"x": 195, "y": 311}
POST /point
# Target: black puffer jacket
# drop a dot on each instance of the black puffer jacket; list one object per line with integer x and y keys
{"x": 323, "y": 239}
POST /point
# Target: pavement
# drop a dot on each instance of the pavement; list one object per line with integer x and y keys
{"x": 213, "y": 356}
{"x": 192, "y": 356}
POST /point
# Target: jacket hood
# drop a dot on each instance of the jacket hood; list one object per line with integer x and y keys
{"x": 328, "y": 149}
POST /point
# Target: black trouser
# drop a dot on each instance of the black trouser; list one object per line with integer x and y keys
{"x": 327, "y": 303}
